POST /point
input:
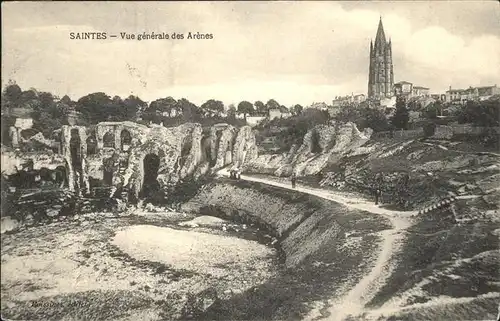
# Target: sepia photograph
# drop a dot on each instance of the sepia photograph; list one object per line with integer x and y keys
{"x": 250, "y": 160}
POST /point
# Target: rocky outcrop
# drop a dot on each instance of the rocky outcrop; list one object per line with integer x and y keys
{"x": 224, "y": 139}
{"x": 321, "y": 146}
{"x": 245, "y": 148}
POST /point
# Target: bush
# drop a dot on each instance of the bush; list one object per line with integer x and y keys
{"x": 28, "y": 133}
{"x": 293, "y": 128}
{"x": 490, "y": 138}
{"x": 429, "y": 129}
{"x": 315, "y": 142}
{"x": 484, "y": 113}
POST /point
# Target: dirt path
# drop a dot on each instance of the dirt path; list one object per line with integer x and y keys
{"x": 353, "y": 302}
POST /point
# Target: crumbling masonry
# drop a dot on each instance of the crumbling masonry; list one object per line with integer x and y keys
{"x": 119, "y": 154}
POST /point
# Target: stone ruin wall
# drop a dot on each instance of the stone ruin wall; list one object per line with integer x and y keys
{"x": 245, "y": 148}
{"x": 224, "y": 147}
{"x": 228, "y": 145}
{"x": 66, "y": 152}
{"x": 334, "y": 140}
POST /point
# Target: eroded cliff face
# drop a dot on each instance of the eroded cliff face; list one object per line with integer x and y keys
{"x": 130, "y": 156}
{"x": 321, "y": 145}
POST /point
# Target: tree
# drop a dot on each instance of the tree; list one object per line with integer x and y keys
{"x": 163, "y": 105}
{"x": 245, "y": 108}
{"x": 272, "y": 104}
{"x": 11, "y": 95}
{"x": 433, "y": 110}
{"x": 131, "y": 107}
{"x": 401, "y": 116}
{"x": 298, "y": 126}
{"x": 49, "y": 113}
{"x": 297, "y": 109}
{"x": 348, "y": 114}
{"x": 96, "y": 107}
{"x": 315, "y": 139}
{"x": 190, "y": 111}
{"x": 485, "y": 113}
{"x": 231, "y": 112}
{"x": 260, "y": 107}
{"x": 429, "y": 129}
{"x": 213, "y": 105}
{"x": 374, "y": 119}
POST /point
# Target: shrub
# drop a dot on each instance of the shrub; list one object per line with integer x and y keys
{"x": 429, "y": 129}
{"x": 315, "y": 142}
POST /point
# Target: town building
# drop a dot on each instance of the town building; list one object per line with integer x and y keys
{"x": 350, "y": 100}
{"x": 409, "y": 90}
{"x": 403, "y": 88}
{"x": 381, "y": 74}
{"x": 253, "y": 121}
{"x": 419, "y": 91}
{"x": 440, "y": 97}
{"x": 320, "y": 106}
{"x": 279, "y": 113}
{"x": 461, "y": 96}
{"x": 22, "y": 119}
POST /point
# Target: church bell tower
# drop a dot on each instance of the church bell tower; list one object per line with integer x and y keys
{"x": 381, "y": 75}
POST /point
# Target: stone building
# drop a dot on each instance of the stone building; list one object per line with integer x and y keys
{"x": 278, "y": 113}
{"x": 349, "y": 100}
{"x": 381, "y": 75}
{"x": 319, "y": 106}
{"x": 409, "y": 90}
{"x": 461, "y": 96}
{"x": 22, "y": 121}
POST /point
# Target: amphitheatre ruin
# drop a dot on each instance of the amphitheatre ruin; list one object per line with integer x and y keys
{"x": 147, "y": 218}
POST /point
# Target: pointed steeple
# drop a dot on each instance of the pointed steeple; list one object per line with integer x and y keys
{"x": 371, "y": 46}
{"x": 380, "y": 38}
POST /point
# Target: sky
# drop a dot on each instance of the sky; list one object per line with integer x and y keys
{"x": 293, "y": 52}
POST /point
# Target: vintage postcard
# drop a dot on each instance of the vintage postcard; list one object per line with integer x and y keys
{"x": 266, "y": 160}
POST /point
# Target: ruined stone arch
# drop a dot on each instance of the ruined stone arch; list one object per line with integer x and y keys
{"x": 75, "y": 148}
{"x": 91, "y": 144}
{"x": 125, "y": 139}
{"x": 108, "y": 140}
{"x": 151, "y": 166}
{"x": 56, "y": 136}
{"x": 206, "y": 148}
{"x": 186, "y": 146}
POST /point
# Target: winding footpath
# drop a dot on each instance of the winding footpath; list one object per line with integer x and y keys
{"x": 353, "y": 302}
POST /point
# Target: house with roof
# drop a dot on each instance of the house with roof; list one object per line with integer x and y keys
{"x": 409, "y": 90}
{"x": 461, "y": 96}
{"x": 419, "y": 91}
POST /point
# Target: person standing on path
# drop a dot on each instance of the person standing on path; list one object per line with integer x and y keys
{"x": 294, "y": 179}
{"x": 379, "y": 181}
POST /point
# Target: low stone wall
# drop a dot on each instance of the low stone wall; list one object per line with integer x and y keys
{"x": 442, "y": 132}
{"x": 447, "y": 132}
{"x": 397, "y": 134}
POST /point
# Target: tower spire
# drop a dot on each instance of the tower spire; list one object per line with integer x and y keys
{"x": 380, "y": 77}
{"x": 380, "y": 38}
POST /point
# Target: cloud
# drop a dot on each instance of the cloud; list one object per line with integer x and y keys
{"x": 293, "y": 52}
{"x": 439, "y": 58}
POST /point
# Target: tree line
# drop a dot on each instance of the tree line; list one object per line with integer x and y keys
{"x": 50, "y": 112}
